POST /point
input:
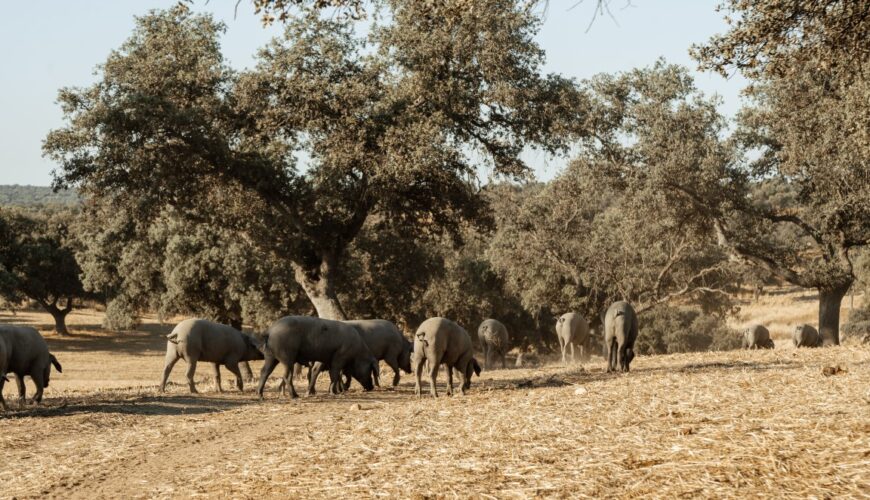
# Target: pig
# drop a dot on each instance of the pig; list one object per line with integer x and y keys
{"x": 572, "y": 330}
{"x": 202, "y": 340}
{"x": 757, "y": 337}
{"x": 441, "y": 341}
{"x": 494, "y": 339}
{"x": 24, "y": 352}
{"x": 806, "y": 336}
{"x": 386, "y": 343}
{"x": 620, "y": 332}
{"x": 304, "y": 339}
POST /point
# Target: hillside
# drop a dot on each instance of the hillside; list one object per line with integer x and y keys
{"x": 28, "y": 196}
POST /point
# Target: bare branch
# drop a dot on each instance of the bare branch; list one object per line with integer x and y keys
{"x": 743, "y": 254}
{"x": 689, "y": 288}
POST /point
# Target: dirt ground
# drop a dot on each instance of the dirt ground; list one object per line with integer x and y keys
{"x": 730, "y": 425}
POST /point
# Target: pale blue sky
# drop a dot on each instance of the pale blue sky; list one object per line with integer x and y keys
{"x": 53, "y": 44}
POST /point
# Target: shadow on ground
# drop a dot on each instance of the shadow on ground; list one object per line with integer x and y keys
{"x": 583, "y": 376}
{"x": 147, "y": 405}
{"x": 131, "y": 342}
{"x": 92, "y": 337}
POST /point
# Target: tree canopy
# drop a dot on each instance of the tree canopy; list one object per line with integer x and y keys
{"x": 605, "y": 228}
{"x": 174, "y": 266}
{"x": 388, "y": 125}
{"x": 809, "y": 64}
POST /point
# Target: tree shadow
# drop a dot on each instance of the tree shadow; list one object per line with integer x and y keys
{"x": 583, "y": 376}
{"x": 146, "y": 405}
{"x": 733, "y": 365}
{"x": 146, "y": 338}
{"x": 778, "y": 291}
{"x": 366, "y": 400}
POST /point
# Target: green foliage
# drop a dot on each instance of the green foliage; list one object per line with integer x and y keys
{"x": 283, "y": 10}
{"x": 862, "y": 271}
{"x": 766, "y": 37}
{"x": 174, "y": 266}
{"x": 121, "y": 314}
{"x": 604, "y": 229}
{"x": 387, "y": 273}
{"x": 723, "y": 338}
{"x": 33, "y": 196}
{"x": 666, "y": 329}
{"x": 392, "y": 127}
{"x": 469, "y": 291}
{"x": 810, "y": 78}
{"x": 858, "y": 327}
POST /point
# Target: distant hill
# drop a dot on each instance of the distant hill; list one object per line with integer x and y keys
{"x": 28, "y": 196}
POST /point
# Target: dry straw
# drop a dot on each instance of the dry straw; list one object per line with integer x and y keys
{"x": 727, "y": 425}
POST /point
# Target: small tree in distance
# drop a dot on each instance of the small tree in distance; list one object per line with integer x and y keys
{"x": 37, "y": 263}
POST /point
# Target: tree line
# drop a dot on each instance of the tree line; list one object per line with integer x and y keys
{"x": 32, "y": 196}
{"x": 342, "y": 175}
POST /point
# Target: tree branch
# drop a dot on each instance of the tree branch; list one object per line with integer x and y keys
{"x": 687, "y": 289}
{"x": 745, "y": 255}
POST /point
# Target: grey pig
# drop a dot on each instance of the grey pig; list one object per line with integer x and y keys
{"x": 202, "y": 340}
{"x": 386, "y": 343}
{"x": 494, "y": 339}
{"x": 24, "y": 352}
{"x": 806, "y": 336}
{"x": 620, "y": 332}
{"x": 572, "y": 331}
{"x": 304, "y": 339}
{"x": 441, "y": 341}
{"x": 757, "y": 337}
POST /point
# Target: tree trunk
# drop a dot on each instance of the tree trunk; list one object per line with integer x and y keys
{"x": 829, "y": 313}
{"x": 57, "y": 313}
{"x": 320, "y": 290}
{"x": 59, "y": 316}
{"x": 327, "y": 307}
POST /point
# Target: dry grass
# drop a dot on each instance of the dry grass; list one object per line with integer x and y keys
{"x": 781, "y": 309}
{"x": 729, "y": 425}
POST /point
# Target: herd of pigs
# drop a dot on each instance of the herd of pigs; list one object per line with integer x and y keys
{"x": 351, "y": 349}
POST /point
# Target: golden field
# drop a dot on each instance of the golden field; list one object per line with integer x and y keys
{"x": 723, "y": 424}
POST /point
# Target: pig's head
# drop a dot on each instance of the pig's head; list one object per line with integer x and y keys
{"x": 365, "y": 368}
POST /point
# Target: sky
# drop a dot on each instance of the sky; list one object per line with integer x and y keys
{"x": 57, "y": 43}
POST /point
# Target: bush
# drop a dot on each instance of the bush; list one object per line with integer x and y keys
{"x": 723, "y": 338}
{"x": 666, "y": 329}
{"x": 857, "y": 330}
{"x": 120, "y": 315}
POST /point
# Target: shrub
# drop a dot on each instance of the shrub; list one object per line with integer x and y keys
{"x": 723, "y": 338}
{"x": 120, "y": 315}
{"x": 666, "y": 329}
{"x": 857, "y": 330}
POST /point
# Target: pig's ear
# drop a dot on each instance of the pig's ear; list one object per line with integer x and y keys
{"x": 476, "y": 366}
